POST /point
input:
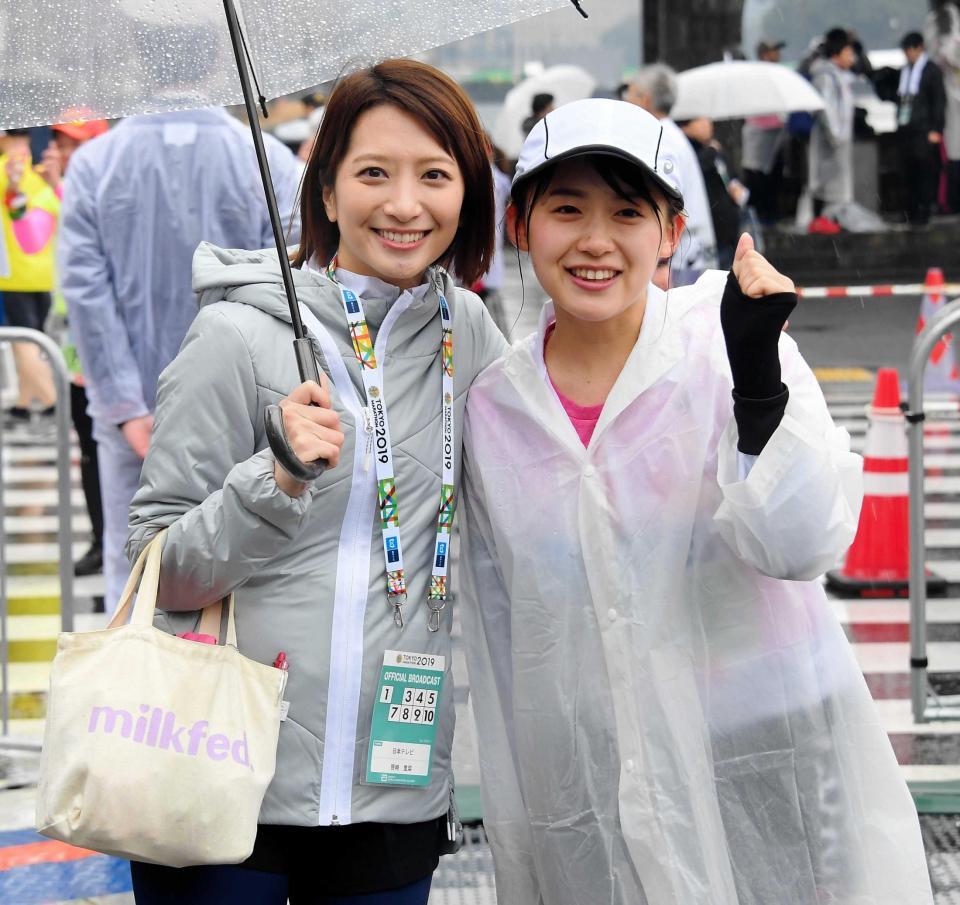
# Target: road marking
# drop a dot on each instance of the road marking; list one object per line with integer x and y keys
{"x": 895, "y": 611}
{"x": 843, "y": 375}
{"x": 40, "y": 853}
{"x": 895, "y": 657}
{"x": 896, "y": 715}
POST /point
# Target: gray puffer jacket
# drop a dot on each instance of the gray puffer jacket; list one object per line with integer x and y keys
{"x": 308, "y": 573}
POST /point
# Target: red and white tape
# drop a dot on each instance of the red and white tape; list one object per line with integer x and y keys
{"x": 842, "y": 292}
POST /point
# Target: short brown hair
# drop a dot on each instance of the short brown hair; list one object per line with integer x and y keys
{"x": 445, "y": 111}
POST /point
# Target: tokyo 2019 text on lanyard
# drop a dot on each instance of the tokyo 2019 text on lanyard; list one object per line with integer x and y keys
{"x": 378, "y": 428}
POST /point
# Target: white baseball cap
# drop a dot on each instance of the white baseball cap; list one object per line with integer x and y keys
{"x": 601, "y": 126}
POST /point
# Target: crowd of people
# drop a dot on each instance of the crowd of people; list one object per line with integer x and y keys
{"x": 668, "y": 710}
{"x": 817, "y": 152}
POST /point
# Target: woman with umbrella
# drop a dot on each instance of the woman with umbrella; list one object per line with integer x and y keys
{"x": 345, "y": 574}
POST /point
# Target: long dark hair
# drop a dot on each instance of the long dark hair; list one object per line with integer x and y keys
{"x": 440, "y": 105}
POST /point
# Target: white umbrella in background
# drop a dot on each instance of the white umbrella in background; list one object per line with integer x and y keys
{"x": 741, "y": 88}
{"x": 565, "y": 83}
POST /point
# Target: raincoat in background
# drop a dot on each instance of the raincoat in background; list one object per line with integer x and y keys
{"x": 137, "y": 202}
{"x": 668, "y": 710}
{"x": 831, "y": 140}
{"x": 762, "y": 139}
{"x": 944, "y": 49}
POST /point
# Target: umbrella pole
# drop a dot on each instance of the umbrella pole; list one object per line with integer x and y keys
{"x": 302, "y": 345}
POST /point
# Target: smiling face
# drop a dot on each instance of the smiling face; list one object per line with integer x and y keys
{"x": 595, "y": 252}
{"x": 396, "y": 198}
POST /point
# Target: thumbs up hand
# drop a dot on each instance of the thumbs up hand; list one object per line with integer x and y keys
{"x": 756, "y": 276}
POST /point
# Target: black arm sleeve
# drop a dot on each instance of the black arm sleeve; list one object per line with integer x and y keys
{"x": 751, "y": 331}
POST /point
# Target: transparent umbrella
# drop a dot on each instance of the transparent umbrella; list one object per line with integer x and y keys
{"x": 121, "y": 57}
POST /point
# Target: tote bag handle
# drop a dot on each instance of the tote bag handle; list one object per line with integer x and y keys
{"x": 148, "y": 565}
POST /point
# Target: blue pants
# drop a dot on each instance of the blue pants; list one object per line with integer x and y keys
{"x": 228, "y": 885}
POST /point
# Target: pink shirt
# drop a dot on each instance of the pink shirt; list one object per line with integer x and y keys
{"x": 584, "y": 418}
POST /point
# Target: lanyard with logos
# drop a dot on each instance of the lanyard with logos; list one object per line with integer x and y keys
{"x": 376, "y": 415}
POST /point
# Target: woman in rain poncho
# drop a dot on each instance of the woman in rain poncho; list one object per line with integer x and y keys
{"x": 668, "y": 712}
{"x": 317, "y": 574}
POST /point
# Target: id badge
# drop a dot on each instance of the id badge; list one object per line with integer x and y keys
{"x": 404, "y": 725}
{"x": 904, "y": 113}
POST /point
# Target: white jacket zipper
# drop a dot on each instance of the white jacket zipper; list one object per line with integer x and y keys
{"x": 353, "y": 578}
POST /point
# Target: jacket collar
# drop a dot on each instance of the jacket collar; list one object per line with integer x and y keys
{"x": 657, "y": 350}
{"x": 367, "y": 287}
{"x": 253, "y": 278}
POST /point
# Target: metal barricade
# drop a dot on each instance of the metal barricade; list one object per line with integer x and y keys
{"x": 61, "y": 379}
{"x": 943, "y": 708}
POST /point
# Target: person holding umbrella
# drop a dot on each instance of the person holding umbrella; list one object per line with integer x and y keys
{"x": 346, "y": 574}
{"x": 669, "y": 711}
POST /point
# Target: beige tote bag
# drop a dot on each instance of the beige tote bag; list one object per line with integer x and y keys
{"x": 157, "y": 748}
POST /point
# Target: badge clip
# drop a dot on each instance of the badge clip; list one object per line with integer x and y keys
{"x": 397, "y": 601}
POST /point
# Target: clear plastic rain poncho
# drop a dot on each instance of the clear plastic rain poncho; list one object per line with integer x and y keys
{"x": 120, "y": 57}
{"x": 668, "y": 711}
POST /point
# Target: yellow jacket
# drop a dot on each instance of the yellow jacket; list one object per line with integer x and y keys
{"x": 28, "y": 272}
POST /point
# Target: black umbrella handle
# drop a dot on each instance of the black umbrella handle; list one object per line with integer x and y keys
{"x": 273, "y": 422}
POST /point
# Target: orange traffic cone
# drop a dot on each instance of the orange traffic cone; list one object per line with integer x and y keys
{"x": 878, "y": 561}
{"x": 942, "y": 374}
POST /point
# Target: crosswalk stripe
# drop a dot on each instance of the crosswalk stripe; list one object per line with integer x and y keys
{"x": 941, "y": 510}
{"x": 47, "y": 496}
{"x": 897, "y": 716}
{"x": 48, "y": 586}
{"x": 34, "y": 474}
{"x": 941, "y": 459}
{"x": 34, "y": 454}
{"x": 942, "y": 484}
{"x": 895, "y": 657}
{"x": 939, "y": 610}
{"x": 948, "y": 411}
{"x": 19, "y": 554}
{"x": 43, "y": 524}
{"x": 942, "y": 537}
{"x": 931, "y": 773}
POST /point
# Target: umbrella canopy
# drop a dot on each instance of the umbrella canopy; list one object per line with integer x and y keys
{"x": 120, "y": 57}
{"x": 742, "y": 88}
{"x": 565, "y": 83}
